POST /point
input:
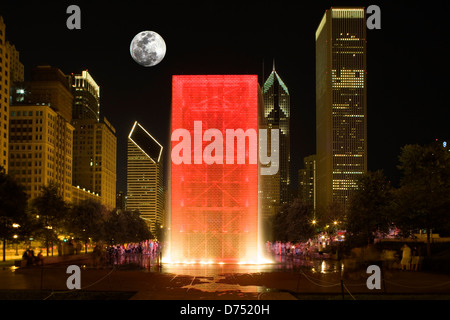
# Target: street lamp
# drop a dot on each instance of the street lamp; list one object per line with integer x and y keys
{"x": 17, "y": 244}
{"x": 15, "y": 226}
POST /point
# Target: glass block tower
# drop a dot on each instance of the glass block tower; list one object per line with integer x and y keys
{"x": 341, "y": 108}
{"x": 214, "y": 190}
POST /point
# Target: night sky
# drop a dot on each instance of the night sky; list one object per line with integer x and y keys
{"x": 408, "y": 62}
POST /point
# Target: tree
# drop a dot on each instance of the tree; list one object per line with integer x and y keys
{"x": 13, "y": 200}
{"x": 369, "y": 210}
{"x": 331, "y": 217}
{"x": 52, "y": 211}
{"x": 126, "y": 226}
{"x": 294, "y": 222}
{"x": 87, "y": 220}
{"x": 300, "y": 216}
{"x": 423, "y": 200}
{"x": 280, "y": 224}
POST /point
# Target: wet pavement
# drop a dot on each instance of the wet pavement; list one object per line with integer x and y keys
{"x": 286, "y": 278}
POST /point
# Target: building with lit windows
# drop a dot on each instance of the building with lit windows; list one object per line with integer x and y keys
{"x": 214, "y": 191}
{"x": 40, "y": 133}
{"x": 277, "y": 116}
{"x": 94, "y": 141}
{"x": 4, "y": 96}
{"x": 81, "y": 194}
{"x": 16, "y": 67}
{"x": 50, "y": 85}
{"x": 86, "y": 96}
{"x": 40, "y": 149}
{"x": 11, "y": 73}
{"x": 95, "y": 158}
{"x": 145, "y": 184}
{"x": 341, "y": 108}
{"x": 121, "y": 201}
{"x": 274, "y": 190}
{"x": 307, "y": 182}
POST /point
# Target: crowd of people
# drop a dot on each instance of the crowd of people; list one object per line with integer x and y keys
{"x": 30, "y": 259}
{"x": 295, "y": 249}
{"x": 115, "y": 254}
{"x": 406, "y": 258}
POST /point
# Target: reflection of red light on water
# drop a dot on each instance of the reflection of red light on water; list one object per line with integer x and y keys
{"x": 220, "y": 200}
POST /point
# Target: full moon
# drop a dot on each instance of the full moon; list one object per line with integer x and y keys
{"x": 148, "y": 48}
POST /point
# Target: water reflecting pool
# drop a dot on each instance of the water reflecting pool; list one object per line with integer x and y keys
{"x": 280, "y": 263}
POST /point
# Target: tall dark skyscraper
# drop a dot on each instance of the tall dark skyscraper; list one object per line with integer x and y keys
{"x": 86, "y": 96}
{"x": 307, "y": 181}
{"x": 94, "y": 141}
{"x": 4, "y": 99}
{"x": 274, "y": 189}
{"x": 341, "y": 109}
{"x": 145, "y": 188}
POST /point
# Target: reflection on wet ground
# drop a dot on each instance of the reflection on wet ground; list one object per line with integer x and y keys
{"x": 226, "y": 277}
{"x": 284, "y": 263}
{"x": 286, "y": 277}
{"x": 279, "y": 263}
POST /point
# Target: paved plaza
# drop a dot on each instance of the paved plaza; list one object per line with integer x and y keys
{"x": 286, "y": 279}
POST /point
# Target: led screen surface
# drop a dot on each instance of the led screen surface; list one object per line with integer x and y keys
{"x": 214, "y": 207}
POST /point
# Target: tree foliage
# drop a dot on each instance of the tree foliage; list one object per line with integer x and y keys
{"x": 13, "y": 203}
{"x": 293, "y": 222}
{"x": 369, "y": 211}
{"x": 423, "y": 201}
{"x": 13, "y": 200}
{"x": 50, "y": 207}
{"x": 87, "y": 220}
{"x": 126, "y": 226}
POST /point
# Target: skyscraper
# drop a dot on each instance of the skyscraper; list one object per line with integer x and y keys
{"x": 86, "y": 96}
{"x": 95, "y": 158}
{"x": 274, "y": 189}
{"x": 41, "y": 149}
{"x": 341, "y": 109}
{"x": 4, "y": 96}
{"x": 16, "y": 67}
{"x": 94, "y": 141}
{"x": 121, "y": 201}
{"x": 50, "y": 85}
{"x": 145, "y": 184}
{"x": 214, "y": 195}
{"x": 307, "y": 181}
{"x": 41, "y": 135}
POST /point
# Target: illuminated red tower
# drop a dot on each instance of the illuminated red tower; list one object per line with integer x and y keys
{"x": 214, "y": 206}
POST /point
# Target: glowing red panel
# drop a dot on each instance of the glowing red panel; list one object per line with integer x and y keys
{"x": 214, "y": 206}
